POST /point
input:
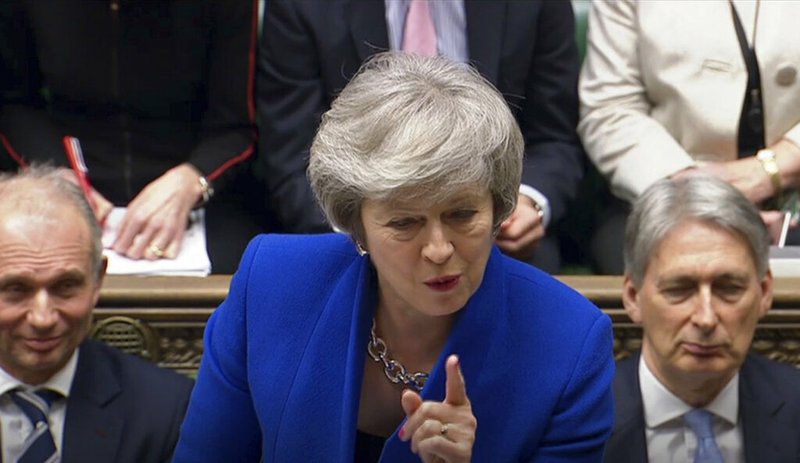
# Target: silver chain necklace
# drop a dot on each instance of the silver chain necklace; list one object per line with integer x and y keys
{"x": 393, "y": 369}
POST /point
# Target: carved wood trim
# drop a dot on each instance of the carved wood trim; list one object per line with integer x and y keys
{"x": 163, "y": 318}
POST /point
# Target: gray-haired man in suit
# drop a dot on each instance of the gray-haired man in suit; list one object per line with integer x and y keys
{"x": 697, "y": 280}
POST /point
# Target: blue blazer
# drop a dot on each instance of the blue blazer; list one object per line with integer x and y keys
{"x": 769, "y": 407}
{"x": 122, "y": 408}
{"x": 284, "y": 356}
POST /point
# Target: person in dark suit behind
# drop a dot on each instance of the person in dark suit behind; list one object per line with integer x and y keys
{"x": 697, "y": 280}
{"x": 309, "y": 51}
{"x": 105, "y": 405}
{"x": 159, "y": 95}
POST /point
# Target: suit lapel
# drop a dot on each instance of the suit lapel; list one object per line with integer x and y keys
{"x": 364, "y": 305}
{"x": 331, "y": 375}
{"x": 760, "y": 405}
{"x": 627, "y": 442}
{"x": 485, "y": 26}
{"x": 92, "y": 430}
{"x": 368, "y": 27}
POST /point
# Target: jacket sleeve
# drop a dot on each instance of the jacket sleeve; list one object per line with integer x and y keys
{"x": 221, "y": 422}
{"x": 554, "y": 160}
{"x": 228, "y": 125}
{"x": 793, "y": 135}
{"x": 291, "y": 99}
{"x": 583, "y": 418}
{"x": 631, "y": 149}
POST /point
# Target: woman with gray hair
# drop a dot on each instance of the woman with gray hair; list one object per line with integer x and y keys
{"x": 409, "y": 336}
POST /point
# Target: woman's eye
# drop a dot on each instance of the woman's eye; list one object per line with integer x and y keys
{"x": 402, "y": 224}
{"x": 464, "y": 214}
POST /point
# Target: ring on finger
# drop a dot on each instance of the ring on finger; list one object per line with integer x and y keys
{"x": 444, "y": 429}
{"x": 155, "y": 250}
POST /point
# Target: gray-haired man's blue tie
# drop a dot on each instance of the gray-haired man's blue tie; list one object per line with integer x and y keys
{"x": 39, "y": 445}
{"x": 699, "y": 421}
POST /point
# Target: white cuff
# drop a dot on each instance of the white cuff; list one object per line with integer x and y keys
{"x": 539, "y": 199}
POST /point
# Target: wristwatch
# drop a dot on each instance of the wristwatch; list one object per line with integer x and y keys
{"x": 770, "y": 166}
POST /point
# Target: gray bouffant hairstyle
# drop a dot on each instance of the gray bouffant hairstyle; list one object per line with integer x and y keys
{"x": 668, "y": 203}
{"x": 35, "y": 189}
{"x": 414, "y": 128}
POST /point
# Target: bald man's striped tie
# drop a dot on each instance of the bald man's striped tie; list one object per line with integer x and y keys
{"x": 39, "y": 445}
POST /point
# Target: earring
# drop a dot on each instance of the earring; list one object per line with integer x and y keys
{"x": 360, "y": 249}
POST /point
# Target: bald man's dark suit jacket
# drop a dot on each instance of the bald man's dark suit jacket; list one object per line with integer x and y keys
{"x": 769, "y": 407}
{"x": 122, "y": 409}
{"x": 310, "y": 49}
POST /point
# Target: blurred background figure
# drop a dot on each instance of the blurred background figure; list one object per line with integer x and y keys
{"x": 64, "y": 397}
{"x": 416, "y": 338}
{"x": 697, "y": 280}
{"x": 159, "y": 95}
{"x": 309, "y": 50}
{"x": 673, "y": 89}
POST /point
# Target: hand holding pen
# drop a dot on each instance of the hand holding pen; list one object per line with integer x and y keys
{"x": 100, "y": 205}
{"x": 156, "y": 219}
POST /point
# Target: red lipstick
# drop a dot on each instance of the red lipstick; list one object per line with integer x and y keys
{"x": 443, "y": 284}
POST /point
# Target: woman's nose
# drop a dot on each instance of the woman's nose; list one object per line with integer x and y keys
{"x": 438, "y": 248}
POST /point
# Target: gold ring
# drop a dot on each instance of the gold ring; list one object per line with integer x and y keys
{"x": 443, "y": 431}
{"x": 155, "y": 250}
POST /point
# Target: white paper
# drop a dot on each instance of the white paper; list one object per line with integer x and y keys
{"x": 785, "y": 261}
{"x": 192, "y": 260}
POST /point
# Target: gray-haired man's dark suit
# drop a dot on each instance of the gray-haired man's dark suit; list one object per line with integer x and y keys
{"x": 769, "y": 407}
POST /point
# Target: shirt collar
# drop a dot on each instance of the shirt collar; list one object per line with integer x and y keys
{"x": 726, "y": 404}
{"x": 59, "y": 382}
{"x": 662, "y": 406}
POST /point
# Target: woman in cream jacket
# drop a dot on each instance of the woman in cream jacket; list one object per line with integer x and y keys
{"x": 662, "y": 89}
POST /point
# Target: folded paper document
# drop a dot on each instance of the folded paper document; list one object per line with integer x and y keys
{"x": 192, "y": 260}
{"x": 785, "y": 261}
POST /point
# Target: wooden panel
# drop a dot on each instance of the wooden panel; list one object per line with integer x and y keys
{"x": 162, "y": 318}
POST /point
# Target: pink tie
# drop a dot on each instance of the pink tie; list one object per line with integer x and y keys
{"x": 419, "y": 34}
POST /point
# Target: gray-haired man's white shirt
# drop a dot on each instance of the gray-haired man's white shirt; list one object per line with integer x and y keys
{"x": 669, "y": 439}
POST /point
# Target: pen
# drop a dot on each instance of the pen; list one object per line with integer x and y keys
{"x": 73, "y": 148}
{"x": 787, "y": 217}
